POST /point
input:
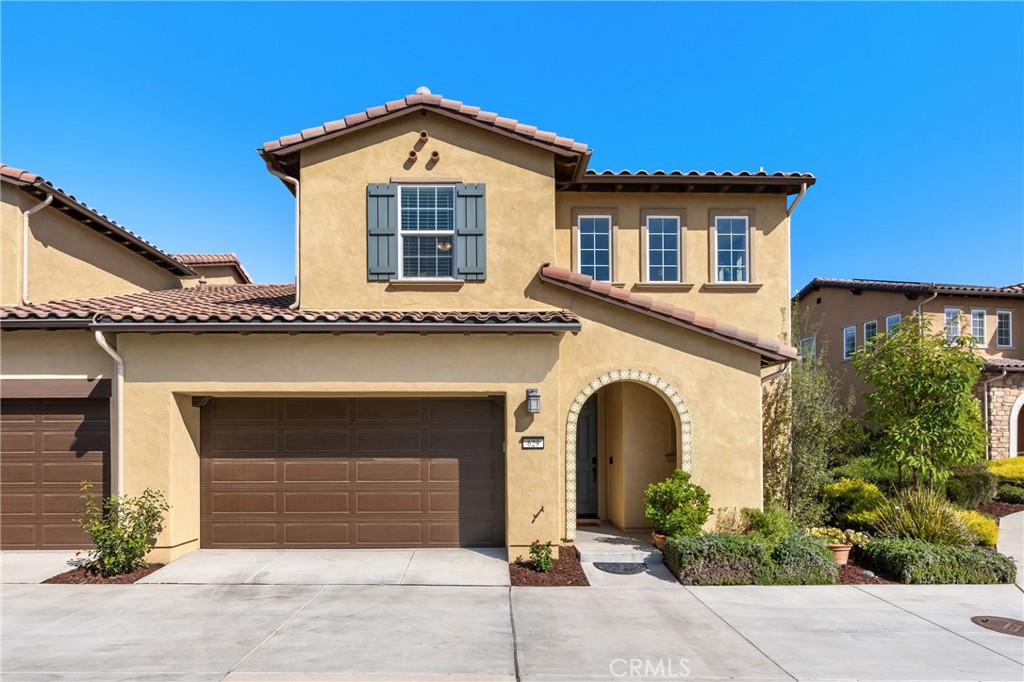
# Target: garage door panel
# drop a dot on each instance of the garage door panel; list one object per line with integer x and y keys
{"x": 252, "y": 410}
{"x": 356, "y": 472}
{"x": 244, "y": 440}
{"x": 49, "y": 446}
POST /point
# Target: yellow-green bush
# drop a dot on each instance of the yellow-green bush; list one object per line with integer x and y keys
{"x": 984, "y": 527}
{"x": 1008, "y": 470}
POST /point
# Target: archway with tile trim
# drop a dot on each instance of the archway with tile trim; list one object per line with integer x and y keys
{"x": 684, "y": 429}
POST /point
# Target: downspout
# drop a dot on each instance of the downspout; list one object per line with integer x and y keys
{"x": 988, "y": 421}
{"x": 778, "y": 372}
{"x": 921, "y": 305}
{"x": 799, "y": 197}
{"x": 117, "y": 433}
{"x": 298, "y": 239}
{"x": 24, "y": 245}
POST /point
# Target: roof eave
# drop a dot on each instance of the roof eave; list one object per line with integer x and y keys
{"x": 338, "y": 327}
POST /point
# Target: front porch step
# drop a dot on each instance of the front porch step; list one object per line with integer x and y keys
{"x": 622, "y": 557}
{"x": 605, "y": 543}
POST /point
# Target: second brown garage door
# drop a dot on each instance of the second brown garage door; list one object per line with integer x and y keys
{"x": 352, "y": 472}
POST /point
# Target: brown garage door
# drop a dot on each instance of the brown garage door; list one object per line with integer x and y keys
{"x": 352, "y": 472}
{"x": 47, "y": 447}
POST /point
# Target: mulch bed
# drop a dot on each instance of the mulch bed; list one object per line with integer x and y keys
{"x": 566, "y": 572}
{"x": 853, "y": 574}
{"x": 998, "y": 509}
{"x": 81, "y": 576}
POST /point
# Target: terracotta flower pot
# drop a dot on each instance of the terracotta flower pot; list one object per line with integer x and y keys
{"x": 841, "y": 553}
{"x": 659, "y": 540}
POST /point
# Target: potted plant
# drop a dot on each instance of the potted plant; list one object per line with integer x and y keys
{"x": 675, "y": 507}
{"x": 839, "y": 541}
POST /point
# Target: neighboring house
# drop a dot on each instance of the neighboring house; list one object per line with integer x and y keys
{"x": 838, "y": 316}
{"x": 485, "y": 343}
{"x": 214, "y": 268}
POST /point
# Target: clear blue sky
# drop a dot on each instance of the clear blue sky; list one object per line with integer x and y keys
{"x": 911, "y": 115}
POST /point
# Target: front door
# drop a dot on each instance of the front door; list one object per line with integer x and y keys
{"x": 586, "y": 460}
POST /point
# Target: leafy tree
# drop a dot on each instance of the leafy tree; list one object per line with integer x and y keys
{"x": 923, "y": 402}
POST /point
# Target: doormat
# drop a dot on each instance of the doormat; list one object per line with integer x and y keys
{"x": 620, "y": 568}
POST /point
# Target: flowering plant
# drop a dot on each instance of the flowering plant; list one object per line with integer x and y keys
{"x": 837, "y": 536}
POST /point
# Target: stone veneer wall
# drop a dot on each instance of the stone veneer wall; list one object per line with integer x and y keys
{"x": 1002, "y": 394}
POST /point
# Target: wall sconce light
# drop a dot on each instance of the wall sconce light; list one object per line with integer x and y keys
{"x": 533, "y": 400}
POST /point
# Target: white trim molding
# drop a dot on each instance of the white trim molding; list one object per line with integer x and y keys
{"x": 1018, "y": 404}
{"x": 684, "y": 432}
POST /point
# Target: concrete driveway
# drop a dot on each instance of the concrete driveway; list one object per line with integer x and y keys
{"x": 248, "y": 632}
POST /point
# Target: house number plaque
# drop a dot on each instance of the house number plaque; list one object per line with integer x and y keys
{"x": 532, "y": 442}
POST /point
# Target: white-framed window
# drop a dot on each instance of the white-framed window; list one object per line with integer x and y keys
{"x": 870, "y": 331}
{"x": 663, "y": 249}
{"x": 952, "y": 327}
{"x": 732, "y": 249}
{"x": 594, "y": 246}
{"x": 849, "y": 341}
{"x": 892, "y": 322}
{"x": 1004, "y": 328}
{"x": 808, "y": 348}
{"x": 426, "y": 231}
{"x": 979, "y": 326}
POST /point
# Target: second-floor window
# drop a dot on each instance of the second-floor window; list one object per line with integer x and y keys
{"x": 978, "y": 327}
{"x": 1004, "y": 328}
{"x": 870, "y": 331}
{"x": 663, "y": 249}
{"x": 595, "y": 246}
{"x": 732, "y": 250}
{"x": 849, "y": 342}
{"x": 426, "y": 236}
{"x": 952, "y": 325}
{"x": 892, "y": 322}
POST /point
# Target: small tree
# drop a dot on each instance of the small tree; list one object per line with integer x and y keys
{"x": 922, "y": 399}
{"x": 123, "y": 529}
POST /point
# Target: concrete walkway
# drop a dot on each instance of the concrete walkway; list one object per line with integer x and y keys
{"x": 35, "y": 566}
{"x": 248, "y": 632}
{"x": 1011, "y": 541}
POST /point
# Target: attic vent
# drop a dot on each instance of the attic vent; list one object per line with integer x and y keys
{"x": 423, "y": 90}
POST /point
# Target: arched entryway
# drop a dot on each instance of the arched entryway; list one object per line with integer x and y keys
{"x": 1017, "y": 427}
{"x": 632, "y": 415}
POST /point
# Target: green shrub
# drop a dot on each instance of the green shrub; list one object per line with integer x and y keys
{"x": 719, "y": 559}
{"x": 770, "y": 526}
{"x": 848, "y": 500}
{"x": 540, "y": 556}
{"x": 866, "y": 469}
{"x": 971, "y": 485}
{"x": 1011, "y": 493}
{"x": 676, "y": 506}
{"x": 1008, "y": 470}
{"x": 122, "y": 529}
{"x": 802, "y": 560}
{"x": 985, "y": 528}
{"x": 922, "y": 563}
{"x": 837, "y": 536}
{"x": 921, "y": 514}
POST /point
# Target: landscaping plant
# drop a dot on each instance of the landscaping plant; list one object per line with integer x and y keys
{"x": 770, "y": 526}
{"x": 837, "y": 536}
{"x": 540, "y": 556}
{"x": 867, "y": 468}
{"x": 922, "y": 400}
{"x": 971, "y": 485}
{"x": 719, "y": 559}
{"x": 1014, "y": 494}
{"x": 123, "y": 529}
{"x": 917, "y": 562}
{"x": 921, "y": 514}
{"x": 677, "y": 506}
{"x": 985, "y": 528}
{"x": 850, "y": 501}
{"x": 803, "y": 560}
{"x": 1008, "y": 470}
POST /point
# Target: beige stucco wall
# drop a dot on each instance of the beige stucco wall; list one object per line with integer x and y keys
{"x": 520, "y": 212}
{"x": 213, "y": 274}
{"x": 760, "y": 308}
{"x": 67, "y": 259}
{"x": 71, "y": 354}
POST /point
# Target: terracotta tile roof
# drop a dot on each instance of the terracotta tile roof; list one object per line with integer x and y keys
{"x": 770, "y": 349}
{"x": 202, "y": 259}
{"x": 91, "y": 218}
{"x": 1004, "y": 364}
{"x": 438, "y": 103}
{"x": 920, "y": 288}
{"x": 260, "y": 304}
{"x": 696, "y": 174}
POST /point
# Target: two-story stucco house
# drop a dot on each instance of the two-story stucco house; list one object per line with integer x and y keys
{"x": 838, "y": 316}
{"x": 485, "y": 344}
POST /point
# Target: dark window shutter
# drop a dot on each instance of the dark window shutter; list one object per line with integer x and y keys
{"x": 382, "y": 232}
{"x": 470, "y": 232}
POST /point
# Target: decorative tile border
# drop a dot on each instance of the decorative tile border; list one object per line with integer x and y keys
{"x": 636, "y": 376}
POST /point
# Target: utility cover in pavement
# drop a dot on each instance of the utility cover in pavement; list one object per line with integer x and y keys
{"x": 1007, "y": 626}
{"x": 620, "y": 568}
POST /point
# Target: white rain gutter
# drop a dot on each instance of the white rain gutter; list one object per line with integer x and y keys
{"x": 117, "y": 433}
{"x": 935, "y": 295}
{"x": 24, "y": 245}
{"x": 778, "y": 372}
{"x": 298, "y": 239}
{"x": 988, "y": 421}
{"x": 799, "y": 198}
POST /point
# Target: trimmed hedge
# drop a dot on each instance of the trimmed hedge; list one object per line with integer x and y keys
{"x": 802, "y": 560}
{"x": 922, "y": 563}
{"x": 1011, "y": 493}
{"x": 721, "y": 559}
{"x": 971, "y": 485}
